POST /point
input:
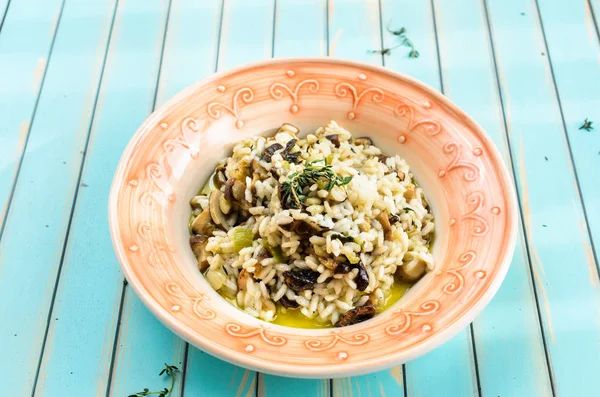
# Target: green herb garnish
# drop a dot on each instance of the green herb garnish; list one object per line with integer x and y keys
{"x": 587, "y": 125}
{"x": 404, "y": 41}
{"x": 170, "y": 370}
{"x": 401, "y": 34}
{"x": 292, "y": 191}
{"x": 242, "y": 238}
{"x": 384, "y": 51}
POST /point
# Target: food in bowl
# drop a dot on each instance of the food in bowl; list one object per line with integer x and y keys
{"x": 316, "y": 231}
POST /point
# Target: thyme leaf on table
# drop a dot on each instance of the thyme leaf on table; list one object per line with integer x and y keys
{"x": 404, "y": 41}
{"x": 587, "y": 125}
{"x": 170, "y": 371}
{"x": 292, "y": 191}
{"x": 384, "y": 51}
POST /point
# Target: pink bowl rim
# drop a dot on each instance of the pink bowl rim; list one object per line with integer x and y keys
{"x": 317, "y": 371}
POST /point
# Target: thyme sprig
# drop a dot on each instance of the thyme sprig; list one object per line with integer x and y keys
{"x": 587, "y": 125}
{"x": 404, "y": 41}
{"x": 384, "y": 51}
{"x": 170, "y": 370}
{"x": 292, "y": 191}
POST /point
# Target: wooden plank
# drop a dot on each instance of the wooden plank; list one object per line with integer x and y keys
{"x": 269, "y": 385}
{"x": 536, "y": 132}
{"x": 466, "y": 61}
{"x": 354, "y": 29}
{"x": 48, "y": 175}
{"x": 237, "y": 45}
{"x": 300, "y": 30}
{"x": 79, "y": 347}
{"x": 191, "y": 45}
{"x": 454, "y": 363}
{"x": 573, "y": 49}
{"x": 208, "y": 376}
{"x": 143, "y": 348}
{"x": 144, "y": 343}
{"x": 417, "y": 19}
{"x": 3, "y": 11}
{"x": 26, "y": 38}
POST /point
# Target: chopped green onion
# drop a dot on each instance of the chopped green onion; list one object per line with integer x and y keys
{"x": 242, "y": 238}
{"x": 216, "y": 278}
{"x": 277, "y": 253}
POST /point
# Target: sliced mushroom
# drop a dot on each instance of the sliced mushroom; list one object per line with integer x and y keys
{"x": 411, "y": 271}
{"x": 270, "y": 151}
{"x": 292, "y": 158}
{"x": 362, "y": 277}
{"x": 288, "y": 303}
{"x": 356, "y": 315}
{"x": 308, "y": 228}
{"x": 228, "y": 190}
{"x": 363, "y": 140}
{"x": 410, "y": 193}
{"x": 234, "y": 190}
{"x": 224, "y": 205}
{"x": 394, "y": 219}
{"x": 343, "y": 268}
{"x": 214, "y": 205}
{"x": 343, "y": 239}
{"x": 304, "y": 227}
{"x": 274, "y": 173}
{"x": 385, "y": 224}
{"x": 300, "y": 280}
{"x": 333, "y": 138}
{"x": 219, "y": 179}
{"x": 382, "y": 158}
{"x": 202, "y": 224}
{"x": 286, "y": 127}
{"x": 242, "y": 278}
{"x": 239, "y": 170}
{"x": 290, "y": 145}
{"x": 198, "y": 244}
{"x": 239, "y": 190}
{"x": 262, "y": 253}
{"x": 258, "y": 169}
{"x": 196, "y": 202}
{"x": 287, "y": 156}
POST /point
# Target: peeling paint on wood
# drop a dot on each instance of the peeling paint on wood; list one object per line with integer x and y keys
{"x": 38, "y": 74}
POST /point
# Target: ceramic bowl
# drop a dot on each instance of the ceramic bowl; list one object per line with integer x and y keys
{"x": 175, "y": 149}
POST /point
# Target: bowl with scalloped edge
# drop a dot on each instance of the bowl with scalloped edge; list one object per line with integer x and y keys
{"x": 457, "y": 165}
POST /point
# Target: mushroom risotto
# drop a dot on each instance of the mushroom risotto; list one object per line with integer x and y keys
{"x": 324, "y": 227}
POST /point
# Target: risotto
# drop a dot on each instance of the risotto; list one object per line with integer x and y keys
{"x": 325, "y": 227}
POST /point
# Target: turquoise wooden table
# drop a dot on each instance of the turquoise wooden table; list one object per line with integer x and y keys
{"x": 77, "y": 77}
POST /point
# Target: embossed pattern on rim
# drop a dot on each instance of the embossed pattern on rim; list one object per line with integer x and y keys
{"x": 475, "y": 199}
